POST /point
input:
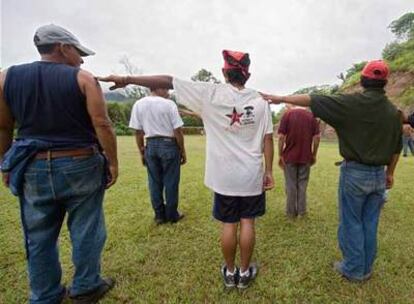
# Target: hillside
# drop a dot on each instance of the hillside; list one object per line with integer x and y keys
{"x": 400, "y": 87}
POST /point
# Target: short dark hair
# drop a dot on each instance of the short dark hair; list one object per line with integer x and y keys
{"x": 46, "y": 48}
{"x": 236, "y": 76}
{"x": 368, "y": 83}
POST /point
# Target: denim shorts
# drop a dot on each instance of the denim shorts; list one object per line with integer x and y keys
{"x": 230, "y": 209}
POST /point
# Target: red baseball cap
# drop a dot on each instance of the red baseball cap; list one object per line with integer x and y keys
{"x": 376, "y": 69}
{"x": 236, "y": 60}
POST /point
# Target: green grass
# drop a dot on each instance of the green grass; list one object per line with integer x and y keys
{"x": 180, "y": 263}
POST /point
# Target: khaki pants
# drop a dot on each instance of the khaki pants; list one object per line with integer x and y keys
{"x": 296, "y": 183}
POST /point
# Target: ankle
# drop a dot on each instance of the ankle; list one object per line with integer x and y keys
{"x": 245, "y": 273}
{"x": 231, "y": 271}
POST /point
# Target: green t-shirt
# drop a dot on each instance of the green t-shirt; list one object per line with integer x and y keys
{"x": 368, "y": 125}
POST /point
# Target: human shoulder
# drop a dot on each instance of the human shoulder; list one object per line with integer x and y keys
{"x": 3, "y": 74}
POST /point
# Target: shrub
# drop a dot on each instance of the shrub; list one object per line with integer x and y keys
{"x": 122, "y": 129}
{"x": 193, "y": 130}
{"x": 391, "y": 51}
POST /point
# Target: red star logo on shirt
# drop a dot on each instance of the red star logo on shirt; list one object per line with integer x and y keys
{"x": 235, "y": 117}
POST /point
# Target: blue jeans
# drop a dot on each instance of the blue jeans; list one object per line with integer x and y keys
{"x": 162, "y": 158}
{"x": 407, "y": 143}
{"x": 361, "y": 196}
{"x": 51, "y": 189}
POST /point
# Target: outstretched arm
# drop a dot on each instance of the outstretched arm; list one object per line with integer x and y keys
{"x": 158, "y": 81}
{"x": 302, "y": 100}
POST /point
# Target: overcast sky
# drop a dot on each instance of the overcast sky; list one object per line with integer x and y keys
{"x": 292, "y": 44}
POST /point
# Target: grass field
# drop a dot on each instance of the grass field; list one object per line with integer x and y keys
{"x": 180, "y": 263}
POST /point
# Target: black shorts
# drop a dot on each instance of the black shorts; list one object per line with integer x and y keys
{"x": 230, "y": 209}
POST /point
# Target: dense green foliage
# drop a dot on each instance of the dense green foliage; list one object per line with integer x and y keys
{"x": 403, "y": 27}
{"x": 180, "y": 263}
{"x": 399, "y": 54}
{"x": 119, "y": 113}
{"x": 205, "y": 76}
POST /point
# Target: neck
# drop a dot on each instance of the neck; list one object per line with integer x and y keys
{"x": 237, "y": 86}
{"x": 51, "y": 58}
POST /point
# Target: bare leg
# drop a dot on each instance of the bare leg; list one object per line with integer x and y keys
{"x": 229, "y": 244}
{"x": 247, "y": 241}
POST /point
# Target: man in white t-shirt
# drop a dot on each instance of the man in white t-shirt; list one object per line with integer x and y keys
{"x": 157, "y": 119}
{"x": 239, "y": 129}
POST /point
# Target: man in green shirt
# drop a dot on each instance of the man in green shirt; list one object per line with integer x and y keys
{"x": 369, "y": 130}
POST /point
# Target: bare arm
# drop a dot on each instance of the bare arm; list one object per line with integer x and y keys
{"x": 158, "y": 81}
{"x": 179, "y": 137}
{"x": 6, "y": 126}
{"x": 281, "y": 146}
{"x": 189, "y": 113}
{"x": 302, "y": 100}
{"x": 390, "y": 171}
{"x": 98, "y": 113}
{"x": 139, "y": 138}
{"x": 268, "y": 151}
{"x": 315, "y": 147}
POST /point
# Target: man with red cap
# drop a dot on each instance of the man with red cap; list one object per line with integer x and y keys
{"x": 369, "y": 132}
{"x": 239, "y": 131}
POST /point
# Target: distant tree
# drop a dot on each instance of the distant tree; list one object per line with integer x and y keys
{"x": 341, "y": 76}
{"x": 205, "y": 76}
{"x": 132, "y": 91}
{"x": 403, "y": 27}
{"x": 392, "y": 50}
{"x": 276, "y": 117}
{"x": 116, "y": 113}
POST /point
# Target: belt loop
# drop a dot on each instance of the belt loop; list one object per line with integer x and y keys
{"x": 49, "y": 155}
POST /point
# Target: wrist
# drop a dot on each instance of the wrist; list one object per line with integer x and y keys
{"x": 125, "y": 80}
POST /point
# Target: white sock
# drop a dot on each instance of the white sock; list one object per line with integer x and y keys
{"x": 231, "y": 273}
{"x": 245, "y": 273}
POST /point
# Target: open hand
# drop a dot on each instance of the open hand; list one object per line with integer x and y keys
{"x": 120, "y": 81}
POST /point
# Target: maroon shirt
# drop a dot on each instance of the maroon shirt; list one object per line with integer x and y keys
{"x": 299, "y": 126}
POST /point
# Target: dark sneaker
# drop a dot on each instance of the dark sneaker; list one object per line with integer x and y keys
{"x": 244, "y": 281}
{"x": 229, "y": 280}
{"x": 95, "y": 295}
{"x": 367, "y": 276}
{"x": 179, "y": 218}
{"x": 159, "y": 220}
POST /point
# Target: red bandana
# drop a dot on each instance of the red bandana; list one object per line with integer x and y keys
{"x": 236, "y": 60}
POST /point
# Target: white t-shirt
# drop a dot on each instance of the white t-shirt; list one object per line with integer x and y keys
{"x": 156, "y": 116}
{"x": 236, "y": 122}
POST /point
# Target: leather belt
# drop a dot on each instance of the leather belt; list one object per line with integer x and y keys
{"x": 51, "y": 154}
{"x": 160, "y": 137}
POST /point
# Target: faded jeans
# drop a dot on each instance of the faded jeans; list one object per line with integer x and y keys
{"x": 53, "y": 188}
{"x": 162, "y": 158}
{"x": 361, "y": 196}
